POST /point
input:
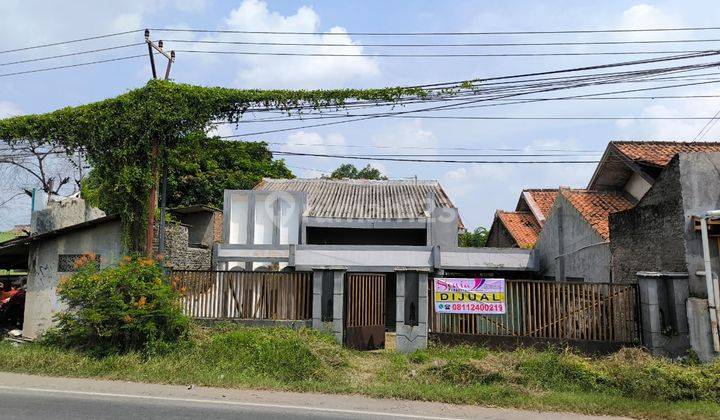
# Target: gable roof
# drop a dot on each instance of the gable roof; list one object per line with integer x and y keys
{"x": 361, "y": 198}
{"x": 522, "y": 226}
{"x": 622, "y": 159}
{"x": 595, "y": 207}
{"x": 539, "y": 201}
{"x": 659, "y": 153}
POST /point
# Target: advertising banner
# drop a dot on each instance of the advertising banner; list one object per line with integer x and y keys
{"x": 469, "y": 296}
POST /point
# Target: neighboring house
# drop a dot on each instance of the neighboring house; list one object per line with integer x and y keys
{"x": 68, "y": 229}
{"x": 520, "y": 228}
{"x": 633, "y": 166}
{"x": 659, "y": 233}
{"x": 574, "y": 242}
{"x": 513, "y": 229}
{"x": 400, "y": 232}
{"x": 658, "y": 244}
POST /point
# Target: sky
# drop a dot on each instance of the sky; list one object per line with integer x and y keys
{"x": 476, "y": 189}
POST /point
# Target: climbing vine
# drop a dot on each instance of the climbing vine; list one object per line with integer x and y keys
{"x": 117, "y": 134}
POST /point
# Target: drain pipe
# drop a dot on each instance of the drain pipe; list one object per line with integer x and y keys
{"x": 709, "y": 283}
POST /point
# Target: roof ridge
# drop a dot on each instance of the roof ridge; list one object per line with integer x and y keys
{"x": 662, "y": 142}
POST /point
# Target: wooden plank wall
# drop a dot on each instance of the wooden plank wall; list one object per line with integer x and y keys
{"x": 553, "y": 310}
{"x": 245, "y": 295}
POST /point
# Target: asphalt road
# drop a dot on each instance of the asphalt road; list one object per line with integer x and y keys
{"x": 36, "y": 397}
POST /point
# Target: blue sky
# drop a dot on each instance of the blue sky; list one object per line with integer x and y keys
{"x": 476, "y": 189}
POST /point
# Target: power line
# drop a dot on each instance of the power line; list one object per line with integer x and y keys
{"x": 352, "y": 157}
{"x": 444, "y": 45}
{"x": 573, "y": 31}
{"x": 467, "y": 55}
{"x": 73, "y": 65}
{"x": 373, "y": 146}
{"x": 31, "y": 60}
{"x": 52, "y": 44}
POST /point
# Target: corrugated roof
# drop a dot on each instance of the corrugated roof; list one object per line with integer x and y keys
{"x": 362, "y": 199}
{"x": 522, "y": 227}
{"x": 659, "y": 153}
{"x": 596, "y": 206}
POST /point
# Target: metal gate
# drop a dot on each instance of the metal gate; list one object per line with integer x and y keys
{"x": 593, "y": 315}
{"x": 364, "y": 311}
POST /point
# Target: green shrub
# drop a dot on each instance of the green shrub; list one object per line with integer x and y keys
{"x": 127, "y": 307}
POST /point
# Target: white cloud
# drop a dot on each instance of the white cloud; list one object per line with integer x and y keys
{"x": 407, "y": 133}
{"x": 30, "y": 22}
{"x": 479, "y": 189}
{"x": 643, "y": 16}
{"x": 292, "y": 71}
{"x": 9, "y": 109}
{"x": 310, "y": 142}
{"x": 673, "y": 130}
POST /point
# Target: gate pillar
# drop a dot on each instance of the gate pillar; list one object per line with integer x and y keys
{"x": 327, "y": 308}
{"x": 411, "y": 327}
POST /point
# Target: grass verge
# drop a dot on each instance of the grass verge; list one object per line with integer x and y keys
{"x": 629, "y": 382}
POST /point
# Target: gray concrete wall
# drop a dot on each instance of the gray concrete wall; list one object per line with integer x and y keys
{"x": 565, "y": 232}
{"x": 663, "y": 312}
{"x": 700, "y": 181}
{"x": 443, "y": 228}
{"x": 60, "y": 214}
{"x": 409, "y": 338}
{"x": 201, "y": 227}
{"x": 649, "y": 236}
{"x": 42, "y": 301}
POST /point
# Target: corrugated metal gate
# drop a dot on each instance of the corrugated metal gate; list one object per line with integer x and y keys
{"x": 364, "y": 311}
{"x": 552, "y": 311}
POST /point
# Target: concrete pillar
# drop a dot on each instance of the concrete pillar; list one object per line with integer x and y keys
{"x": 663, "y": 312}
{"x": 319, "y": 299}
{"x": 338, "y": 304}
{"x": 411, "y": 337}
{"x": 701, "y": 340}
{"x": 317, "y": 322}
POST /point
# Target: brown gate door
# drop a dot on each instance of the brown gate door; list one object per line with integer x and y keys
{"x": 365, "y": 311}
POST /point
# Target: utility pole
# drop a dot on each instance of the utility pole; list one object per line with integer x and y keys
{"x": 155, "y": 152}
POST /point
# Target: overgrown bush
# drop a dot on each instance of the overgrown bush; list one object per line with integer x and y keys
{"x": 127, "y": 307}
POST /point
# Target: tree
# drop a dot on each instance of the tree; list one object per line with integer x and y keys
{"x": 123, "y": 137}
{"x": 349, "y": 171}
{"x": 202, "y": 168}
{"x": 29, "y": 164}
{"x": 474, "y": 239}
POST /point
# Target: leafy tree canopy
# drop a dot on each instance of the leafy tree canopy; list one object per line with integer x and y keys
{"x": 117, "y": 134}
{"x": 349, "y": 171}
{"x": 202, "y": 168}
{"x": 474, "y": 239}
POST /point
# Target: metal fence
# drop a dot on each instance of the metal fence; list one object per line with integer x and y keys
{"x": 555, "y": 311}
{"x": 245, "y": 295}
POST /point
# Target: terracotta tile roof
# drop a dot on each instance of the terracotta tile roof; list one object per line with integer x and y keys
{"x": 544, "y": 198}
{"x": 659, "y": 153}
{"x": 522, "y": 227}
{"x": 362, "y": 199}
{"x": 596, "y": 206}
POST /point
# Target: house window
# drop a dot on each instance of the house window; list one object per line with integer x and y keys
{"x": 66, "y": 262}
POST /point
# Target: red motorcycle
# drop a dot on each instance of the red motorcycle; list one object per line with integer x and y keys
{"x": 12, "y": 308}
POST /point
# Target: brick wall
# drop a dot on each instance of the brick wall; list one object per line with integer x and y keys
{"x": 649, "y": 237}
